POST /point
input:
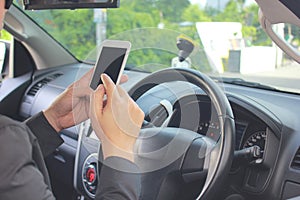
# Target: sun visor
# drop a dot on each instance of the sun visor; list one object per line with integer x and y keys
{"x": 278, "y": 18}
{"x": 292, "y": 6}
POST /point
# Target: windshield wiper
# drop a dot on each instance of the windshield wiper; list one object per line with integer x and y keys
{"x": 242, "y": 82}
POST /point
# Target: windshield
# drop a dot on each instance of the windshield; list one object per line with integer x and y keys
{"x": 228, "y": 41}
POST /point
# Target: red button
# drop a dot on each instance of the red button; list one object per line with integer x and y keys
{"x": 91, "y": 175}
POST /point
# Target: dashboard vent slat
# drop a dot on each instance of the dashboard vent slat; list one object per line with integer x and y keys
{"x": 36, "y": 87}
{"x": 296, "y": 161}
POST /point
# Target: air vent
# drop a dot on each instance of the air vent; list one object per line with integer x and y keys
{"x": 296, "y": 161}
{"x": 36, "y": 87}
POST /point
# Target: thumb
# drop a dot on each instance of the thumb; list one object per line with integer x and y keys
{"x": 108, "y": 84}
{"x": 97, "y": 101}
{"x": 109, "y": 87}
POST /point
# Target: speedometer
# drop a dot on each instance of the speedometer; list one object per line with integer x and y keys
{"x": 256, "y": 139}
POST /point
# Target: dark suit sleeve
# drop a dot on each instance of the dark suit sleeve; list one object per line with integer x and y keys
{"x": 119, "y": 179}
{"x": 47, "y": 137}
{"x": 20, "y": 177}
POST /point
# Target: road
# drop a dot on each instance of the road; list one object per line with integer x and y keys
{"x": 284, "y": 77}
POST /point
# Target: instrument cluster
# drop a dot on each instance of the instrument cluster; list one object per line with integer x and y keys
{"x": 200, "y": 116}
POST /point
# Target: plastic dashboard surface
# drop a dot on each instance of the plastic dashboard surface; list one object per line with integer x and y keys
{"x": 265, "y": 118}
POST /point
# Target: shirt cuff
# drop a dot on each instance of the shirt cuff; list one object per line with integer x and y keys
{"x": 119, "y": 179}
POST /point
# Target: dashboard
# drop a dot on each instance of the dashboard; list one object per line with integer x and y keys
{"x": 263, "y": 118}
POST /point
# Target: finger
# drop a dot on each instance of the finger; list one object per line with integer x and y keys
{"x": 107, "y": 82}
{"x": 124, "y": 78}
{"x": 81, "y": 87}
{"x": 80, "y": 92}
{"x": 88, "y": 74}
{"x": 136, "y": 114}
{"x": 97, "y": 101}
{"x": 110, "y": 88}
{"x": 122, "y": 92}
{"x": 104, "y": 102}
{"x": 85, "y": 79}
{"x": 80, "y": 112}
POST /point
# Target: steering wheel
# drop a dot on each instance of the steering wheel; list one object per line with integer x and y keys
{"x": 174, "y": 160}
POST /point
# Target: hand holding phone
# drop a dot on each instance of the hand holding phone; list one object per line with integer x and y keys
{"x": 111, "y": 61}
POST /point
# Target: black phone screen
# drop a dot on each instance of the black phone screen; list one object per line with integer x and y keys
{"x": 110, "y": 63}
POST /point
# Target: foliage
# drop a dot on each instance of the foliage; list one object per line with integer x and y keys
{"x": 193, "y": 13}
{"x": 4, "y": 35}
{"x": 172, "y": 10}
{"x": 167, "y": 10}
{"x": 129, "y": 20}
{"x": 248, "y": 16}
{"x": 74, "y": 29}
{"x": 138, "y": 20}
{"x": 249, "y": 33}
{"x": 259, "y": 37}
{"x": 231, "y": 12}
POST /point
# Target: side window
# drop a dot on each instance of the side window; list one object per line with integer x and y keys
{"x": 5, "y": 42}
{"x": 15, "y": 60}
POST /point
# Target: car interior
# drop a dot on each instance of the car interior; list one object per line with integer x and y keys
{"x": 206, "y": 135}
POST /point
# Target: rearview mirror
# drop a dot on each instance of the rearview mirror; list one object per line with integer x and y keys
{"x": 69, "y": 4}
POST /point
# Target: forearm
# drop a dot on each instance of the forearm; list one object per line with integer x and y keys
{"x": 47, "y": 137}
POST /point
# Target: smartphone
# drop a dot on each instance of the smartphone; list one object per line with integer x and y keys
{"x": 111, "y": 61}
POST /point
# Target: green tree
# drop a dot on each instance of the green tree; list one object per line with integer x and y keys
{"x": 166, "y": 9}
{"x": 194, "y": 14}
{"x": 137, "y": 21}
{"x": 172, "y": 10}
{"x": 236, "y": 12}
{"x": 74, "y": 29}
{"x": 211, "y": 12}
{"x": 124, "y": 19}
{"x": 4, "y": 35}
{"x": 231, "y": 12}
{"x": 251, "y": 27}
{"x": 145, "y": 6}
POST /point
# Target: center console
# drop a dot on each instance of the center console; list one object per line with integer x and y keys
{"x": 86, "y": 161}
